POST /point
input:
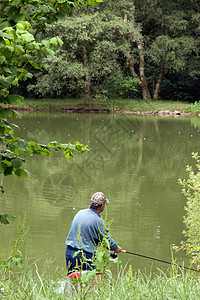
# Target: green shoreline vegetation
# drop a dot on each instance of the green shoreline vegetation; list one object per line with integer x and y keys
{"x": 117, "y": 105}
{"x": 29, "y": 284}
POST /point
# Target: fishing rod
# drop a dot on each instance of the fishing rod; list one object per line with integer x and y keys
{"x": 156, "y": 259}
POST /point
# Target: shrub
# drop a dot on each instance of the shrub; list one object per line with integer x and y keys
{"x": 191, "y": 190}
{"x": 195, "y": 107}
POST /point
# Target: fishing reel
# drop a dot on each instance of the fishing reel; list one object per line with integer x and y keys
{"x": 113, "y": 255}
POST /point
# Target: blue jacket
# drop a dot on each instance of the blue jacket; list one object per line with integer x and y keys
{"x": 88, "y": 225}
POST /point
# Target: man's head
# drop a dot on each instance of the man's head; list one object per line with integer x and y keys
{"x": 98, "y": 200}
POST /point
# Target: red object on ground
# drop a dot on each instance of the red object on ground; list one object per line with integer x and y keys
{"x": 74, "y": 275}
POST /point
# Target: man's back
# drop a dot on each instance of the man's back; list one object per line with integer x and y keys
{"x": 86, "y": 230}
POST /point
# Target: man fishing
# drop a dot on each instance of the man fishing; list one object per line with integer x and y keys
{"x": 86, "y": 232}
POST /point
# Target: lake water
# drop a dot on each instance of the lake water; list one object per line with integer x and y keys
{"x": 135, "y": 161}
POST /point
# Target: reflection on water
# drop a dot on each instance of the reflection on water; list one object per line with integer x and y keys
{"x": 135, "y": 160}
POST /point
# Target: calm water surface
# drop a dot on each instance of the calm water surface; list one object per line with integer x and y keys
{"x": 135, "y": 160}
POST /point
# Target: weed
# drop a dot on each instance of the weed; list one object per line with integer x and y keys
{"x": 195, "y": 107}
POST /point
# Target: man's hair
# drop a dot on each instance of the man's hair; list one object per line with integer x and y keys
{"x": 95, "y": 206}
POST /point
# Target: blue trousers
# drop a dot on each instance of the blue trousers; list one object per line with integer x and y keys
{"x": 76, "y": 262}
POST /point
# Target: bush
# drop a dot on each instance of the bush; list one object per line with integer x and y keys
{"x": 191, "y": 189}
{"x": 195, "y": 107}
{"x": 122, "y": 86}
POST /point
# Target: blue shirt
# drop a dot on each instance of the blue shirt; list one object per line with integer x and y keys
{"x": 87, "y": 230}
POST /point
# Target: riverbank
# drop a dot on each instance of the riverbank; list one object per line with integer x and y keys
{"x": 31, "y": 284}
{"x": 118, "y": 106}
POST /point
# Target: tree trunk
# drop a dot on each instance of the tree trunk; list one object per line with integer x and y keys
{"x": 87, "y": 88}
{"x": 144, "y": 86}
{"x": 129, "y": 60}
{"x": 158, "y": 82}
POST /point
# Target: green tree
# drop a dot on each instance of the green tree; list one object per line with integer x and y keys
{"x": 170, "y": 30}
{"x": 132, "y": 42}
{"x": 72, "y": 63}
{"x": 20, "y": 22}
{"x": 156, "y": 43}
{"x": 163, "y": 43}
{"x": 91, "y": 53}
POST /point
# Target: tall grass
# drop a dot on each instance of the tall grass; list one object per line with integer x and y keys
{"x": 173, "y": 286}
{"x": 29, "y": 284}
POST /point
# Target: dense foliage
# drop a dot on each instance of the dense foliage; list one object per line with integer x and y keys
{"x": 156, "y": 43}
{"x": 191, "y": 190}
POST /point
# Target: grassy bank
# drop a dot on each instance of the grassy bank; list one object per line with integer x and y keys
{"x": 117, "y": 104}
{"x": 29, "y": 284}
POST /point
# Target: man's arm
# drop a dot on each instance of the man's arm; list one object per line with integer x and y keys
{"x": 118, "y": 250}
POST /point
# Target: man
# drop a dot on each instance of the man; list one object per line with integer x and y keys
{"x": 86, "y": 232}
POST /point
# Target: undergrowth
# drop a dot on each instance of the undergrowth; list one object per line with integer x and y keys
{"x": 29, "y": 284}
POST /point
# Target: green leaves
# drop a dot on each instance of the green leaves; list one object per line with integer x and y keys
{"x": 5, "y": 218}
{"x": 171, "y": 51}
{"x": 11, "y": 158}
{"x": 88, "y": 276}
{"x": 55, "y": 41}
{"x": 94, "y": 2}
{"x": 103, "y": 49}
{"x": 191, "y": 190}
{"x": 122, "y": 85}
{"x": 17, "y": 259}
{"x": 16, "y": 163}
{"x": 9, "y": 113}
{"x": 24, "y": 37}
{"x": 23, "y": 25}
{"x": 19, "y": 48}
{"x": 22, "y": 173}
{"x": 11, "y": 164}
{"x": 13, "y": 99}
{"x": 69, "y": 148}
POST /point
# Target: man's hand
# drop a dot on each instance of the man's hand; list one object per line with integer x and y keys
{"x": 118, "y": 250}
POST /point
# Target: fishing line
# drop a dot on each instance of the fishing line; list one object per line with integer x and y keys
{"x": 160, "y": 260}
